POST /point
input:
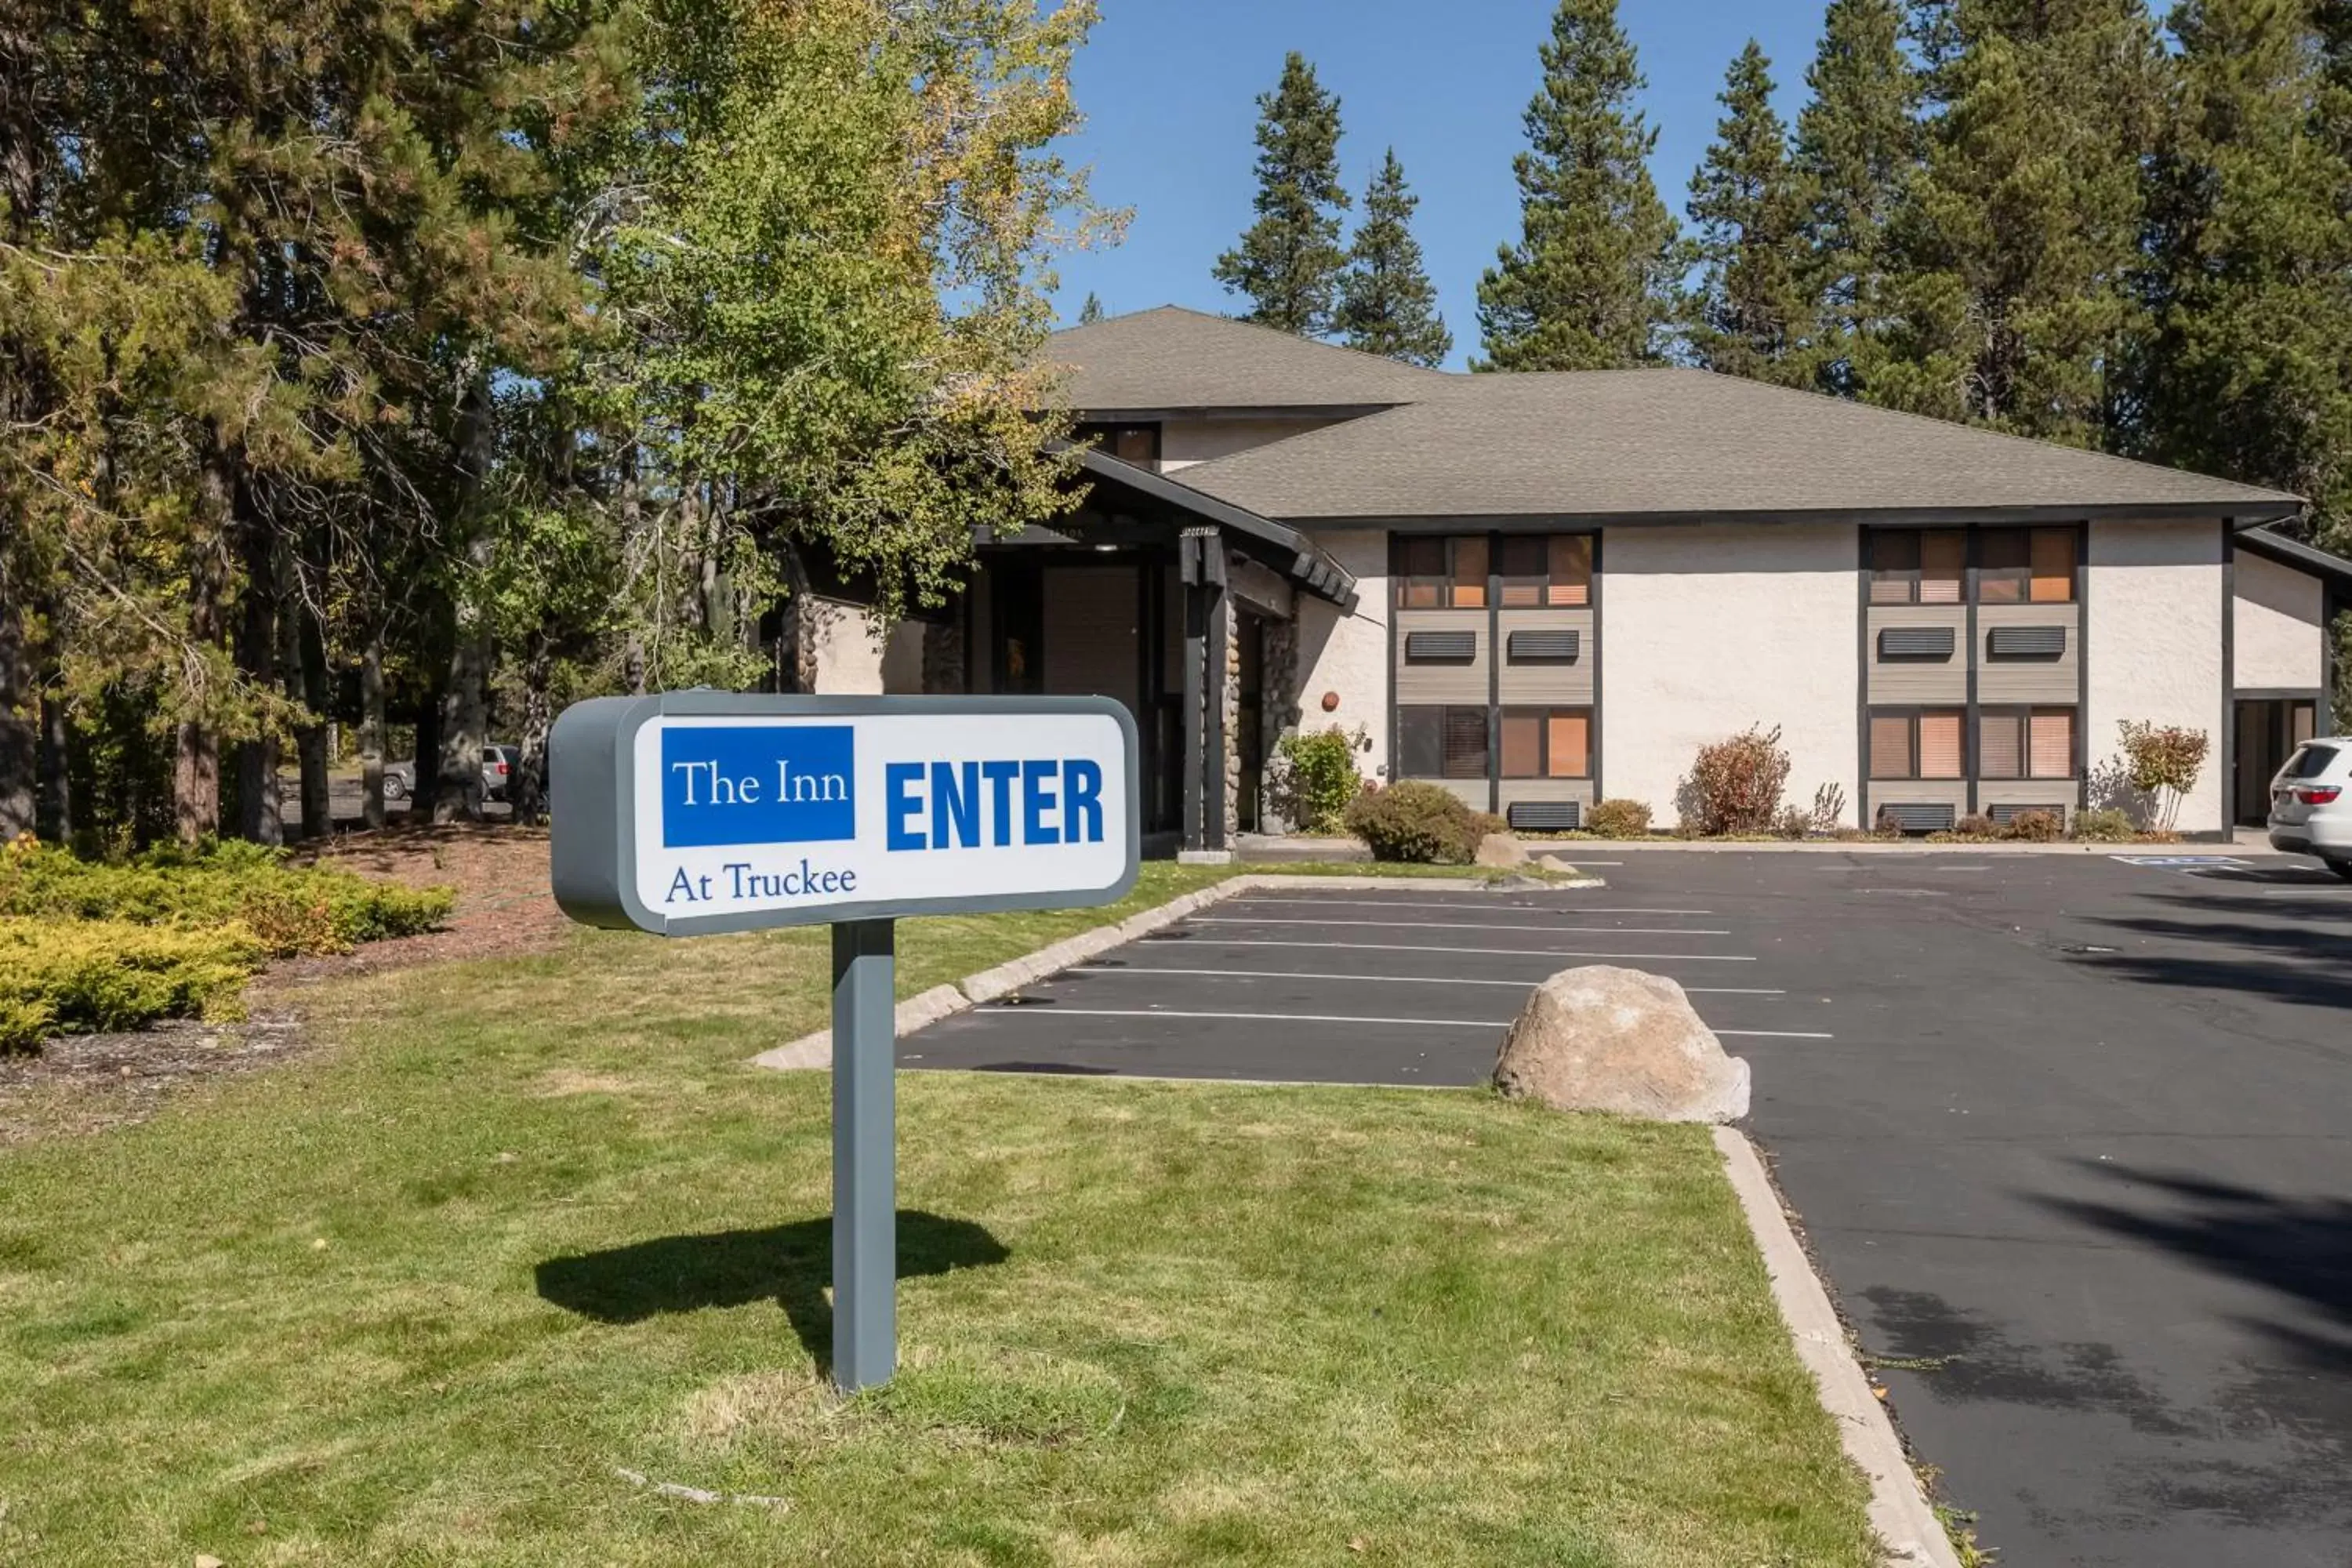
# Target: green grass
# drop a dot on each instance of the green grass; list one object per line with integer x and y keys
{"x": 421, "y": 1297}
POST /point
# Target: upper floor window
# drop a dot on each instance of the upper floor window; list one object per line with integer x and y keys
{"x": 1137, "y": 444}
{"x": 1546, "y": 569}
{"x": 1440, "y": 573}
{"x": 1918, "y": 566}
{"x": 2025, "y": 565}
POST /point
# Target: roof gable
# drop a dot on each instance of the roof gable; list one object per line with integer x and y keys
{"x": 1172, "y": 358}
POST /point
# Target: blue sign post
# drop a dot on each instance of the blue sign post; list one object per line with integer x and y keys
{"x": 700, "y": 812}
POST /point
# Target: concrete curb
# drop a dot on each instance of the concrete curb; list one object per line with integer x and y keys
{"x": 1899, "y": 1509}
{"x": 816, "y": 1051}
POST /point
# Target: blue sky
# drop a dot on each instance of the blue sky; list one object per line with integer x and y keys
{"x": 1170, "y": 90}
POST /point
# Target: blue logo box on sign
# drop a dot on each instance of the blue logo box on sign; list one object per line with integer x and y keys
{"x": 773, "y": 784}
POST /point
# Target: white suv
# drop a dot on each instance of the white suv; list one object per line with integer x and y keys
{"x": 2311, "y": 804}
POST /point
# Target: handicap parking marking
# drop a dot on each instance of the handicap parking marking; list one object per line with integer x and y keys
{"x": 2182, "y": 862}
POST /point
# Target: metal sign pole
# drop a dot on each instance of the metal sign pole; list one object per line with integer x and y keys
{"x": 865, "y": 1155}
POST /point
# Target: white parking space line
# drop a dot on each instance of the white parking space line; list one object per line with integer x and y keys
{"x": 1405, "y": 979}
{"x": 1384, "y": 903}
{"x": 1469, "y": 925}
{"x": 1058, "y": 1011}
{"x": 1486, "y": 952}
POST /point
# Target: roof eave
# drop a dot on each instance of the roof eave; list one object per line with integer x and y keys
{"x": 2242, "y": 515}
{"x": 2309, "y": 558}
{"x": 1289, "y": 551}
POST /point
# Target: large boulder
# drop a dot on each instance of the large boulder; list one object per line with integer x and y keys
{"x": 1501, "y": 851}
{"x": 1605, "y": 1039}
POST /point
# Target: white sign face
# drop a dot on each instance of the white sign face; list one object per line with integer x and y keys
{"x": 819, "y": 809}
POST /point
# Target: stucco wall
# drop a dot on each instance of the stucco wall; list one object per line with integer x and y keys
{"x": 2154, "y": 643}
{"x": 2279, "y": 611}
{"x": 852, "y": 662}
{"x": 1183, "y": 441}
{"x": 1347, "y": 653}
{"x": 1710, "y": 629}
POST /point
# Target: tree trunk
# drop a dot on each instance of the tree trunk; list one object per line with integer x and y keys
{"x": 18, "y": 749}
{"x": 55, "y": 807}
{"x": 258, "y": 816}
{"x": 457, "y": 785}
{"x": 371, "y": 727}
{"x": 310, "y": 742}
{"x": 428, "y": 753}
{"x": 530, "y": 789}
{"x": 196, "y": 765}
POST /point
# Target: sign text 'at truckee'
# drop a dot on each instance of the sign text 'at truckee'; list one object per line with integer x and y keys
{"x": 701, "y": 811}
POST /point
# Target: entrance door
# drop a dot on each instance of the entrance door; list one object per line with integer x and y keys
{"x": 2269, "y": 729}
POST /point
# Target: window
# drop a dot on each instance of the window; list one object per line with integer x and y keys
{"x": 1918, "y": 566}
{"x": 1924, "y": 744}
{"x": 1440, "y": 573}
{"x": 2025, "y": 565}
{"x": 1434, "y": 742}
{"x": 1137, "y": 444}
{"x": 1554, "y": 570}
{"x": 2025, "y": 743}
{"x": 1547, "y": 742}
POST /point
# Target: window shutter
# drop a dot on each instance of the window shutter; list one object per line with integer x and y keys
{"x": 2054, "y": 565}
{"x": 1939, "y": 745}
{"x": 1571, "y": 569}
{"x": 1943, "y": 561}
{"x": 2000, "y": 747}
{"x": 1470, "y": 571}
{"x": 1522, "y": 745}
{"x": 1571, "y": 745}
{"x": 1890, "y": 747}
{"x": 2052, "y": 744}
{"x": 1465, "y": 742}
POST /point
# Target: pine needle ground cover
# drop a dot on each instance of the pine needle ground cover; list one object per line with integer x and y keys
{"x": 532, "y": 1243}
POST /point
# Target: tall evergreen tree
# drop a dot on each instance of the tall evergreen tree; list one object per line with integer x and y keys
{"x": 2248, "y": 368}
{"x": 1750, "y": 315}
{"x": 1590, "y": 283}
{"x": 1387, "y": 305}
{"x": 2013, "y": 301}
{"x": 1857, "y": 142}
{"x": 1092, "y": 310}
{"x": 1289, "y": 260}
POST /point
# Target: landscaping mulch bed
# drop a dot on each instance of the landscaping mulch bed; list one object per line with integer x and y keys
{"x": 78, "y": 1084}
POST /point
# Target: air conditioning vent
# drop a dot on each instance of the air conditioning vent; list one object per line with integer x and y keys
{"x": 1441, "y": 648}
{"x": 2026, "y": 642}
{"x": 1544, "y": 647}
{"x": 1545, "y": 816}
{"x": 1919, "y": 817}
{"x": 1916, "y": 642}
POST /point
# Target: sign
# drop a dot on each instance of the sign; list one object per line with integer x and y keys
{"x": 697, "y": 812}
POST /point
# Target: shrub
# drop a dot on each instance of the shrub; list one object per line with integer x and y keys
{"x": 2034, "y": 827}
{"x": 1418, "y": 823}
{"x": 2164, "y": 761}
{"x": 1618, "y": 819}
{"x": 1829, "y": 809}
{"x": 1975, "y": 824}
{"x": 1315, "y": 777}
{"x": 1735, "y": 784}
{"x": 72, "y": 976}
{"x": 289, "y": 908}
{"x": 2106, "y": 826}
{"x": 1794, "y": 822}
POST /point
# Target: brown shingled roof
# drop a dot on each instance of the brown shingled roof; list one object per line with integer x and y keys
{"x": 1681, "y": 443}
{"x": 1174, "y": 358}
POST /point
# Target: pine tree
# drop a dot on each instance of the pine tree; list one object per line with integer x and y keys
{"x": 2247, "y": 371}
{"x": 1092, "y": 310}
{"x": 1590, "y": 283}
{"x": 2014, "y": 296}
{"x": 1289, "y": 260}
{"x": 1748, "y": 316}
{"x": 1387, "y": 305}
{"x": 1857, "y": 142}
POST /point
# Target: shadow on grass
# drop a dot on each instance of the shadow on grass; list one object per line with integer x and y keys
{"x": 790, "y": 1265}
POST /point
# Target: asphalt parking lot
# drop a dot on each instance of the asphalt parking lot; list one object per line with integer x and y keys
{"x": 2071, "y": 1136}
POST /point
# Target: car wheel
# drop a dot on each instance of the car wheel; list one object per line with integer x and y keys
{"x": 392, "y": 788}
{"x": 2342, "y": 868}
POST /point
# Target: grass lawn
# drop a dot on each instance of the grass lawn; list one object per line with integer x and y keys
{"x": 423, "y": 1296}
